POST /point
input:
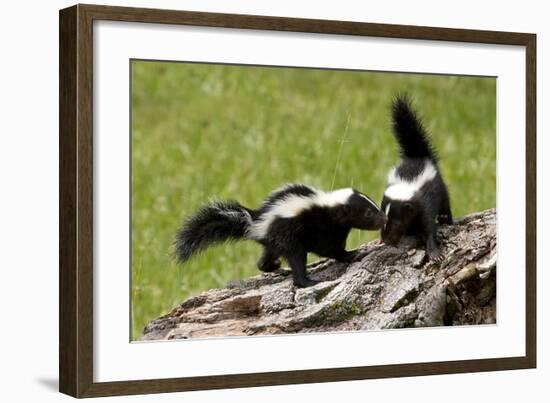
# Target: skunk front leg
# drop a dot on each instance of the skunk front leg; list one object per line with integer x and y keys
{"x": 345, "y": 256}
{"x": 432, "y": 247}
{"x": 433, "y": 250}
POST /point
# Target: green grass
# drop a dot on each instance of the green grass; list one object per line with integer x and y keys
{"x": 203, "y": 131}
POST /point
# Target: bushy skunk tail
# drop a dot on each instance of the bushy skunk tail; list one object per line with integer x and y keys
{"x": 215, "y": 222}
{"x": 409, "y": 131}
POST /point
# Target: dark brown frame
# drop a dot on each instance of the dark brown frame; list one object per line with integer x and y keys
{"x": 76, "y": 202}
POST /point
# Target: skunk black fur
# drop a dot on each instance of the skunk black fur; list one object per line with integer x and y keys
{"x": 416, "y": 194}
{"x": 291, "y": 222}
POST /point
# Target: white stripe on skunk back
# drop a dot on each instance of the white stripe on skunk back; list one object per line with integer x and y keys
{"x": 403, "y": 189}
{"x": 293, "y": 205}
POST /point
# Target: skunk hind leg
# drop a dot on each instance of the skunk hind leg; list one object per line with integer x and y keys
{"x": 269, "y": 261}
{"x": 297, "y": 260}
{"x": 444, "y": 215}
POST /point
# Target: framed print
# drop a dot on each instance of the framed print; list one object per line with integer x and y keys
{"x": 250, "y": 200}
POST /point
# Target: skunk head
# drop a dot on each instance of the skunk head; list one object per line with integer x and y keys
{"x": 361, "y": 212}
{"x": 400, "y": 214}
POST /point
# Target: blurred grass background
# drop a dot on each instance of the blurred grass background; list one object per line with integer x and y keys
{"x": 214, "y": 131}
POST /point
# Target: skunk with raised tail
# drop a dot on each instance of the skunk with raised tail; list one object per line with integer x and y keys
{"x": 291, "y": 222}
{"x": 416, "y": 195}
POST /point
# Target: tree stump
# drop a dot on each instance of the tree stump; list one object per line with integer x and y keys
{"x": 388, "y": 287}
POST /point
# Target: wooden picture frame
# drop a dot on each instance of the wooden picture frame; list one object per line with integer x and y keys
{"x": 76, "y": 200}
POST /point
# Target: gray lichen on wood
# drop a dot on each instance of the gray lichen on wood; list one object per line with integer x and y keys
{"x": 387, "y": 287}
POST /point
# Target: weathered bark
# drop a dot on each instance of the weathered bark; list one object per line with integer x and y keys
{"x": 389, "y": 287}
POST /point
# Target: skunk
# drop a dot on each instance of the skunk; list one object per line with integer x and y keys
{"x": 292, "y": 221}
{"x": 416, "y": 194}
